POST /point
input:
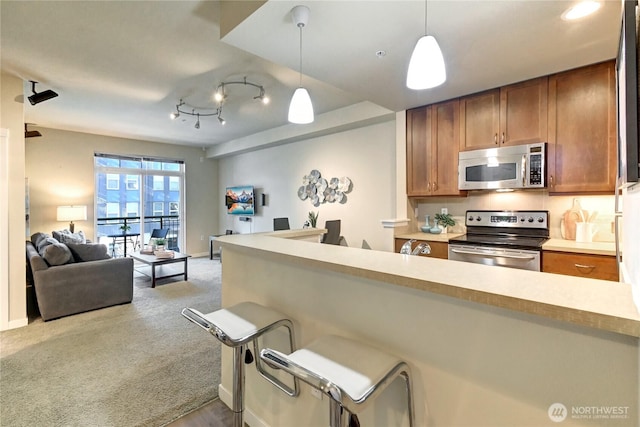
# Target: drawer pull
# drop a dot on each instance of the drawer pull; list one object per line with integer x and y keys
{"x": 588, "y": 268}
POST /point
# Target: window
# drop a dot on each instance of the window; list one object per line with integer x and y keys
{"x": 158, "y": 208}
{"x": 132, "y": 209}
{"x": 113, "y": 210}
{"x": 132, "y": 182}
{"x": 173, "y": 208}
{"x": 174, "y": 183}
{"x": 113, "y": 181}
{"x": 147, "y": 193}
{"x": 158, "y": 183}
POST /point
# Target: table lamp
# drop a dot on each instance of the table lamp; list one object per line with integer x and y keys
{"x": 72, "y": 213}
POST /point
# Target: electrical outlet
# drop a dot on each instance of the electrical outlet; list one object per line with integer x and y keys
{"x": 202, "y": 237}
{"x": 316, "y": 393}
{"x": 444, "y": 211}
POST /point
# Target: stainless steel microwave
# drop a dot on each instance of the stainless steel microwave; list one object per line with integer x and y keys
{"x": 511, "y": 167}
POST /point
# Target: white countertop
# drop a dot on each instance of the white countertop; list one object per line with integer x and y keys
{"x": 593, "y": 303}
{"x": 593, "y": 248}
{"x": 419, "y": 235}
{"x": 560, "y": 245}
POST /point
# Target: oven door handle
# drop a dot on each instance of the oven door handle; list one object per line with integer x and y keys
{"x": 494, "y": 255}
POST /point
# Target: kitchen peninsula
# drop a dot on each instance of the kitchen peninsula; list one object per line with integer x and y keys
{"x": 487, "y": 346}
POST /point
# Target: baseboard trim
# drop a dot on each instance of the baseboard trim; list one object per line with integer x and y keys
{"x": 249, "y": 417}
{"x": 14, "y": 324}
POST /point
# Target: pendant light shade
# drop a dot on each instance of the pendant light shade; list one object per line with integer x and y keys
{"x": 301, "y": 108}
{"x": 426, "y": 67}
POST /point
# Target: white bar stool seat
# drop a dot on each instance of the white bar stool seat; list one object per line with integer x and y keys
{"x": 236, "y": 326}
{"x": 350, "y": 373}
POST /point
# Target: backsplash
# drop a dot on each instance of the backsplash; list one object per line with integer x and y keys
{"x": 524, "y": 200}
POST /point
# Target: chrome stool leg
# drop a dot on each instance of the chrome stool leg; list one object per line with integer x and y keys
{"x": 235, "y": 327}
{"x": 238, "y": 386}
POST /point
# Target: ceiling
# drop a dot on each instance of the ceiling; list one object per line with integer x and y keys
{"x": 120, "y": 67}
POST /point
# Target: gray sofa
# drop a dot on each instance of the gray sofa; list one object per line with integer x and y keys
{"x": 75, "y": 277}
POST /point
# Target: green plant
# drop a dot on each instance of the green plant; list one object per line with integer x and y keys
{"x": 313, "y": 218}
{"x": 160, "y": 241}
{"x": 125, "y": 228}
{"x": 446, "y": 220}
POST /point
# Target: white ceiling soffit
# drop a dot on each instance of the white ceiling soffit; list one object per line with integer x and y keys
{"x": 120, "y": 67}
{"x": 486, "y": 43}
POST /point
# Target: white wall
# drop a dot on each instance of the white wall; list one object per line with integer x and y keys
{"x": 59, "y": 165}
{"x": 13, "y": 293}
{"x": 365, "y": 155}
{"x": 526, "y": 200}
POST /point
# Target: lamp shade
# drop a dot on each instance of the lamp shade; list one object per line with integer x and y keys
{"x": 301, "y": 108}
{"x": 72, "y": 213}
{"x": 426, "y": 67}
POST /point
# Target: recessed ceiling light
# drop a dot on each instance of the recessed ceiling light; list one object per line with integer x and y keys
{"x": 580, "y": 10}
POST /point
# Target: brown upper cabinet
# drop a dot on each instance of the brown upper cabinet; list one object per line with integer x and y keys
{"x": 582, "y": 130}
{"x": 511, "y": 115}
{"x": 433, "y": 141}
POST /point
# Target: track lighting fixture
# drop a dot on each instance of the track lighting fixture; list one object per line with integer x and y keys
{"x": 300, "y": 108}
{"x": 220, "y": 96}
{"x": 30, "y": 133}
{"x": 37, "y": 98}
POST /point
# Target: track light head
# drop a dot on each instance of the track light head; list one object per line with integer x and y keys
{"x": 37, "y": 98}
{"x": 30, "y": 133}
{"x": 222, "y": 121}
{"x": 174, "y": 115}
{"x": 198, "y": 122}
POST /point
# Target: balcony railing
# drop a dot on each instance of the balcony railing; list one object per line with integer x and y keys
{"x": 138, "y": 232}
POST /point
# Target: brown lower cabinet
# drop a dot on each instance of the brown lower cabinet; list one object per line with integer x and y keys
{"x": 438, "y": 249}
{"x": 590, "y": 266}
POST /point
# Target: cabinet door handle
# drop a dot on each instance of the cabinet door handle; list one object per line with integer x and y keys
{"x": 429, "y": 186}
{"x": 503, "y": 137}
{"x": 551, "y": 181}
{"x": 495, "y": 139}
{"x": 588, "y": 268}
{"x": 435, "y": 186}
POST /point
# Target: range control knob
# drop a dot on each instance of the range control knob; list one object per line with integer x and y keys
{"x": 521, "y": 219}
{"x": 540, "y": 219}
{"x": 478, "y": 219}
{"x": 470, "y": 218}
{"x": 530, "y": 219}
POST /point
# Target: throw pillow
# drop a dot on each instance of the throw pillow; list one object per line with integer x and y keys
{"x": 43, "y": 243}
{"x": 88, "y": 252}
{"x": 57, "y": 254}
{"x": 37, "y": 237}
{"x": 65, "y": 236}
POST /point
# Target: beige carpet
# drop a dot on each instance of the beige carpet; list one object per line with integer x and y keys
{"x": 139, "y": 364}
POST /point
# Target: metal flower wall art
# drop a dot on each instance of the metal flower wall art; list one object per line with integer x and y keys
{"x": 318, "y": 190}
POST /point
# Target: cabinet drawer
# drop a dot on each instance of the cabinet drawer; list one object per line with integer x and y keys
{"x": 580, "y": 265}
{"x": 438, "y": 249}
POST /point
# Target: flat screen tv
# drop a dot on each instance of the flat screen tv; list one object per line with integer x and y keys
{"x": 239, "y": 200}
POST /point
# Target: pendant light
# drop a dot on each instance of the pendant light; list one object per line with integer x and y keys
{"x": 300, "y": 108}
{"x": 426, "y": 67}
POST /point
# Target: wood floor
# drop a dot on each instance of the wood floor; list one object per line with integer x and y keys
{"x": 213, "y": 414}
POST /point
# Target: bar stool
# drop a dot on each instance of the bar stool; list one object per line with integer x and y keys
{"x": 350, "y": 373}
{"x": 236, "y": 326}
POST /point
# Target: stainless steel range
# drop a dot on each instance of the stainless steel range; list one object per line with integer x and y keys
{"x": 504, "y": 238}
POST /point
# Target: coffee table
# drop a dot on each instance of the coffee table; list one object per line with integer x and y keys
{"x": 159, "y": 268}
